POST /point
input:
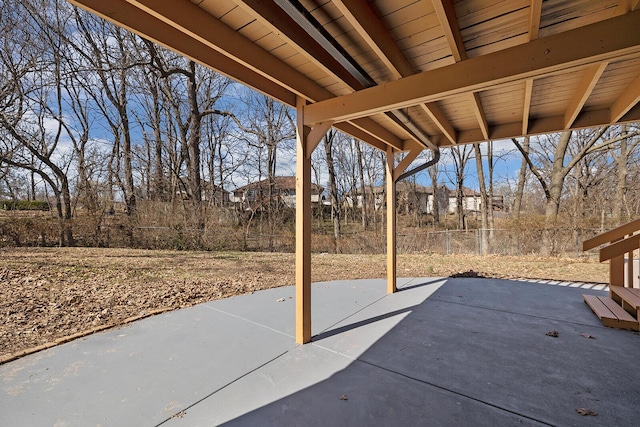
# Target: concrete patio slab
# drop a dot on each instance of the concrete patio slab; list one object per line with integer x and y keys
{"x": 461, "y": 351}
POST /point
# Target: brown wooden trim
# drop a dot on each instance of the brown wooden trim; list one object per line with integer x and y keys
{"x": 582, "y": 46}
{"x": 611, "y": 235}
{"x": 620, "y": 248}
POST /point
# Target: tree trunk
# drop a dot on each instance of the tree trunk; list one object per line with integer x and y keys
{"x": 484, "y": 208}
{"x": 556, "y": 183}
{"x": 522, "y": 177}
{"x": 363, "y": 208}
{"x": 435, "y": 206}
{"x": 333, "y": 190}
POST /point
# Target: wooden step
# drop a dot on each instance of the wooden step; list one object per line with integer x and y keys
{"x": 611, "y": 314}
{"x": 628, "y": 298}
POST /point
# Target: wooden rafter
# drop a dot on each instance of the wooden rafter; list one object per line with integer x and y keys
{"x": 276, "y": 19}
{"x": 374, "y": 33}
{"x": 550, "y": 124}
{"x": 372, "y": 30}
{"x": 449, "y": 22}
{"x": 446, "y": 14}
{"x": 140, "y": 22}
{"x": 479, "y": 112}
{"x": 439, "y": 118}
{"x": 535, "y": 13}
{"x": 587, "y": 83}
{"x": 625, "y": 102}
{"x": 575, "y": 48}
{"x": 210, "y": 37}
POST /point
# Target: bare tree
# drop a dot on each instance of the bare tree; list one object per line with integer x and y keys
{"x": 33, "y": 122}
{"x": 460, "y": 156}
{"x": 485, "y": 205}
{"x": 333, "y": 188}
{"x": 554, "y": 154}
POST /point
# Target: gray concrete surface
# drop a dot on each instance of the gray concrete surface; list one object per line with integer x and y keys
{"x": 440, "y": 352}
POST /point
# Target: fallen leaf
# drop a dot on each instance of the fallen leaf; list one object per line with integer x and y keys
{"x": 553, "y": 334}
{"x": 180, "y": 414}
{"x": 585, "y": 412}
{"x": 344, "y": 397}
{"x": 591, "y": 337}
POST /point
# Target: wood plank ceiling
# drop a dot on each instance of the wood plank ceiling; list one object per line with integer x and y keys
{"x": 400, "y": 72}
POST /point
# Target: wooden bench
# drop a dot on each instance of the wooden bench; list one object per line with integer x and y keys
{"x": 611, "y": 314}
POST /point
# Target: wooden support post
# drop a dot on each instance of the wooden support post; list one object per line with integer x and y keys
{"x": 391, "y": 223}
{"x": 303, "y": 229}
{"x": 616, "y": 271}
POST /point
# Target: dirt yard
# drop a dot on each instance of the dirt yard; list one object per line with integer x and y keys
{"x": 52, "y": 295}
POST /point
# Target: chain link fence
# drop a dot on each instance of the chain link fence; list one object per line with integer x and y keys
{"x": 565, "y": 242}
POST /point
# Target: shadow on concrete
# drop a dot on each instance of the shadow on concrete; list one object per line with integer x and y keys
{"x": 473, "y": 353}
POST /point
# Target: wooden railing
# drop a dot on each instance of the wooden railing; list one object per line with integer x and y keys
{"x": 622, "y": 241}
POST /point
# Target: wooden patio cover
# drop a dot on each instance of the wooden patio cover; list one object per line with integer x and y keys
{"x": 407, "y": 75}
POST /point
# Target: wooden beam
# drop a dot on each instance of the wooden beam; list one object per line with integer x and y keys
{"x": 446, "y": 14}
{"x": 207, "y": 29}
{"x": 315, "y": 136}
{"x": 620, "y": 248}
{"x": 598, "y": 42}
{"x": 535, "y": 12}
{"x": 277, "y": 20}
{"x": 476, "y": 104}
{"x": 528, "y": 91}
{"x": 587, "y": 83}
{"x": 367, "y": 24}
{"x": 391, "y": 223}
{"x": 303, "y": 230}
{"x": 612, "y": 235}
{"x": 374, "y": 128}
{"x": 137, "y": 21}
{"x": 626, "y": 101}
{"x": 626, "y": 6}
{"x": 374, "y": 33}
{"x": 588, "y": 119}
{"x": 406, "y": 161}
{"x": 440, "y": 119}
{"x": 361, "y": 135}
{"x": 182, "y": 26}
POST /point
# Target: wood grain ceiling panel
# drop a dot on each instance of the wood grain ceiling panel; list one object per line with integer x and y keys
{"x": 496, "y": 30}
{"x": 615, "y": 80}
{"x": 460, "y": 112}
{"x": 551, "y": 95}
{"x": 505, "y": 104}
{"x": 564, "y": 15}
{"x": 215, "y": 7}
{"x": 474, "y": 12}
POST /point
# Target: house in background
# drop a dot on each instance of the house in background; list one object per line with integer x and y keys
{"x": 255, "y": 195}
{"x": 410, "y": 197}
{"x": 472, "y": 201}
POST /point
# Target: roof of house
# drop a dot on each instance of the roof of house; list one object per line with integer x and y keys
{"x": 466, "y": 192}
{"x": 279, "y": 182}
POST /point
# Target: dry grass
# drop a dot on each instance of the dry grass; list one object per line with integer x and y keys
{"x": 49, "y": 293}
